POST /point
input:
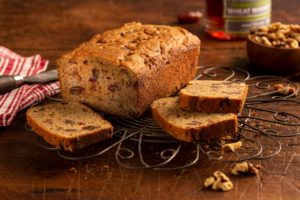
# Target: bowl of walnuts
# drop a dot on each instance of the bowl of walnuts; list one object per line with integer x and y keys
{"x": 275, "y": 48}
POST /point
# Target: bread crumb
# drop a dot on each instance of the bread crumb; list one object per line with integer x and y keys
{"x": 73, "y": 169}
{"x": 106, "y": 166}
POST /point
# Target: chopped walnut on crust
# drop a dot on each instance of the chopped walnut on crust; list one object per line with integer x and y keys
{"x": 245, "y": 168}
{"x": 219, "y": 181}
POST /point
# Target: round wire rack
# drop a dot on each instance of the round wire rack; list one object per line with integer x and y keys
{"x": 141, "y": 143}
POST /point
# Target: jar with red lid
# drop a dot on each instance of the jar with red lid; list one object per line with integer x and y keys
{"x": 232, "y": 19}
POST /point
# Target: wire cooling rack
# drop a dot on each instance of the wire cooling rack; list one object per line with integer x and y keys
{"x": 140, "y": 143}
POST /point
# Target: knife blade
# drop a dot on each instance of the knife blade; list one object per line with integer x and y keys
{"x": 10, "y": 82}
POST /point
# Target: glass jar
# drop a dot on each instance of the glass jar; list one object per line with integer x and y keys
{"x": 232, "y": 19}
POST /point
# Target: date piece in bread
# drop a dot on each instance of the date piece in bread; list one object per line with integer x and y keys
{"x": 192, "y": 126}
{"x": 123, "y": 70}
{"x": 213, "y": 96}
{"x": 71, "y": 126}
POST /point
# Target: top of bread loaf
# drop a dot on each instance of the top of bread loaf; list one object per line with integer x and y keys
{"x": 135, "y": 45}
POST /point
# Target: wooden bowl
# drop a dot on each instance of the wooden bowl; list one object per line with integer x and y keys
{"x": 273, "y": 59}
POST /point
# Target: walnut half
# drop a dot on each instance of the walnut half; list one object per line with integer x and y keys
{"x": 219, "y": 181}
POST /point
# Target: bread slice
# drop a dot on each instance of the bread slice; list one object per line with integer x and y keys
{"x": 192, "y": 126}
{"x": 70, "y": 126}
{"x": 213, "y": 96}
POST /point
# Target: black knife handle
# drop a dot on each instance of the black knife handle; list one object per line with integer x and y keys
{"x": 7, "y": 83}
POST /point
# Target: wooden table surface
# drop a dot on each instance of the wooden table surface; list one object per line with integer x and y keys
{"x": 51, "y": 28}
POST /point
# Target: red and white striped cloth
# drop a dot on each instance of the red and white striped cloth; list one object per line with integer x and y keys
{"x": 20, "y": 98}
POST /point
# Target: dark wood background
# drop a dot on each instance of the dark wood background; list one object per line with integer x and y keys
{"x": 51, "y": 28}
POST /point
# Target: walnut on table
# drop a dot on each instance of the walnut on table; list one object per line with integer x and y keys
{"x": 219, "y": 181}
{"x": 232, "y": 147}
{"x": 285, "y": 90}
{"x": 245, "y": 168}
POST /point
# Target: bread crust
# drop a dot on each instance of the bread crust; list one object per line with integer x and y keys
{"x": 165, "y": 81}
{"x": 69, "y": 143}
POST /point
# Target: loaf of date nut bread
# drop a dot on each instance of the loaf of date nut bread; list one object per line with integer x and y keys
{"x": 68, "y": 125}
{"x": 192, "y": 126}
{"x": 213, "y": 96}
{"x": 123, "y": 70}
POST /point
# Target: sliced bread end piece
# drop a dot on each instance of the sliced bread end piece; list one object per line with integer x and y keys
{"x": 71, "y": 126}
{"x": 192, "y": 126}
{"x": 213, "y": 96}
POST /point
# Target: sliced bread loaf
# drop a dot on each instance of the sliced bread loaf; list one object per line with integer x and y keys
{"x": 192, "y": 126}
{"x": 68, "y": 125}
{"x": 213, "y": 96}
{"x": 122, "y": 71}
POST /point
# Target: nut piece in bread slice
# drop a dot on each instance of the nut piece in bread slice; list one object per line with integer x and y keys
{"x": 213, "y": 96}
{"x": 192, "y": 126}
{"x": 71, "y": 126}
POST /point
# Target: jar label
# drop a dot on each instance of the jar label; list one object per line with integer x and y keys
{"x": 241, "y": 15}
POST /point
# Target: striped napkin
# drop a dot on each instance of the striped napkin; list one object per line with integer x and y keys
{"x": 20, "y": 98}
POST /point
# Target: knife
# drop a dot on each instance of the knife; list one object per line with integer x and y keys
{"x": 10, "y": 82}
